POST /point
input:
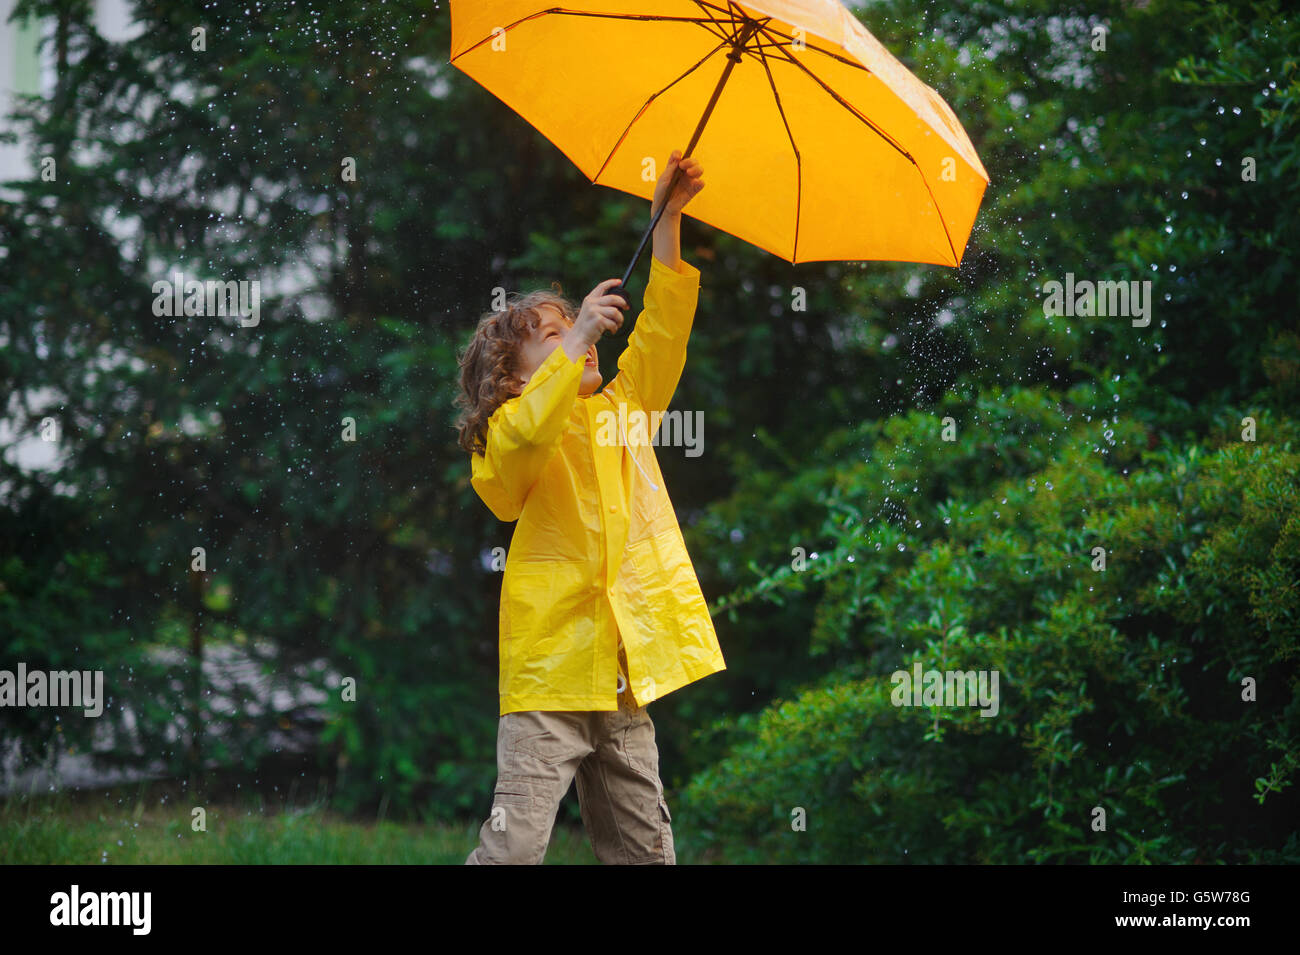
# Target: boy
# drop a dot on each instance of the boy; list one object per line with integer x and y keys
{"x": 601, "y": 611}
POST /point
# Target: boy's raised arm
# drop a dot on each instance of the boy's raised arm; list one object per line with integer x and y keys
{"x": 651, "y": 364}
{"x": 523, "y": 434}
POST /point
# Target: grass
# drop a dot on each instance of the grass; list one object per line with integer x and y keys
{"x": 151, "y": 825}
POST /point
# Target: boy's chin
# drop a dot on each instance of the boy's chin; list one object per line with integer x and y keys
{"x": 590, "y": 382}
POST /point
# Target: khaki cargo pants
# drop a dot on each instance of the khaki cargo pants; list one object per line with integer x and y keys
{"x": 615, "y": 761}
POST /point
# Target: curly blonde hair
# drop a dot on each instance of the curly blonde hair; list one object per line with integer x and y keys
{"x": 490, "y": 362}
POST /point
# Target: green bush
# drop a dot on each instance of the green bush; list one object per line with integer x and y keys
{"x": 1119, "y": 688}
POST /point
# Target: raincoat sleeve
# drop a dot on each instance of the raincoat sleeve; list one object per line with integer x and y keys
{"x": 523, "y": 434}
{"x": 652, "y": 363}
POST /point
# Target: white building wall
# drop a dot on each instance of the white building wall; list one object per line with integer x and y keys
{"x": 26, "y": 69}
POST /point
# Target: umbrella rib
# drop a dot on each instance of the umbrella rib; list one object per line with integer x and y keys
{"x": 847, "y": 61}
{"x": 650, "y": 99}
{"x": 776, "y": 37}
{"x": 580, "y": 13}
{"x": 882, "y": 134}
{"x": 850, "y": 107}
{"x": 620, "y": 16}
{"x": 707, "y": 22}
{"x": 798, "y": 158}
{"x": 710, "y": 23}
{"x": 951, "y": 248}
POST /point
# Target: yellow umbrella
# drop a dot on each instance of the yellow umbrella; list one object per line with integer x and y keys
{"x": 821, "y": 147}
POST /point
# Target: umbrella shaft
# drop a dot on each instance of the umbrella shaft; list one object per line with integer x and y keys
{"x": 732, "y": 59}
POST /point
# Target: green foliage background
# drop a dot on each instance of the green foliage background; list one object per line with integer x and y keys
{"x": 1120, "y": 689}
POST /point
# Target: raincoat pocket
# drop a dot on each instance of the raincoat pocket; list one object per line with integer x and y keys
{"x": 539, "y": 600}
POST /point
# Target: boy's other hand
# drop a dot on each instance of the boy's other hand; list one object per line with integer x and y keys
{"x": 599, "y": 315}
{"x": 688, "y": 186}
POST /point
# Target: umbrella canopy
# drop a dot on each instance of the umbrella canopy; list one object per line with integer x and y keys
{"x": 819, "y": 144}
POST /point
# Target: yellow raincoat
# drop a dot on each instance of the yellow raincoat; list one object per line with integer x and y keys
{"x": 597, "y": 554}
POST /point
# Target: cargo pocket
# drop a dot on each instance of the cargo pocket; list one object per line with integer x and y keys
{"x": 512, "y": 807}
{"x": 666, "y": 833}
{"x": 512, "y": 793}
{"x": 547, "y": 747}
{"x": 513, "y": 836}
{"x": 548, "y": 737}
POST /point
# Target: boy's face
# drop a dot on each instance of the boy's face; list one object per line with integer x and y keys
{"x": 543, "y": 340}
